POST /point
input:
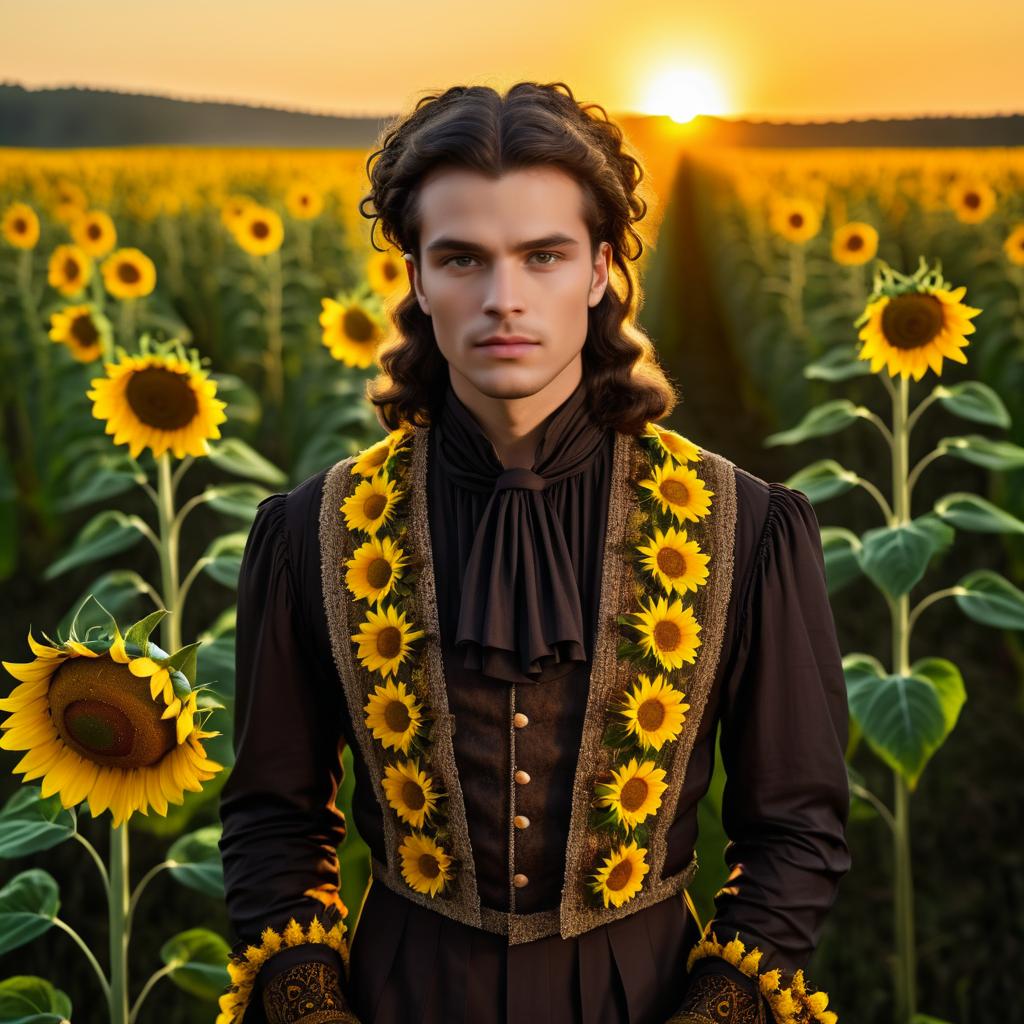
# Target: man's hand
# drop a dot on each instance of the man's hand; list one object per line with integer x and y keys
{"x": 306, "y": 993}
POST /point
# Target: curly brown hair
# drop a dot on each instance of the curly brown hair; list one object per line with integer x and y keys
{"x": 476, "y": 128}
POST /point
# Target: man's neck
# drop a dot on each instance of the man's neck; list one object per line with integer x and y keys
{"x": 514, "y": 425}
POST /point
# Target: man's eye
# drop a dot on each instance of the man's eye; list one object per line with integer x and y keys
{"x": 556, "y": 256}
{"x": 450, "y": 258}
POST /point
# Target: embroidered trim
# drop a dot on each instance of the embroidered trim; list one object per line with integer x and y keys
{"x": 306, "y": 993}
{"x": 717, "y": 999}
{"x": 792, "y": 1005}
{"x": 243, "y": 967}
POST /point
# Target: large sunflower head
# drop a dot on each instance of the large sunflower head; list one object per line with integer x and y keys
{"x": 303, "y": 201}
{"x": 386, "y": 272}
{"x": 21, "y": 226}
{"x": 410, "y": 791}
{"x": 374, "y": 569}
{"x": 634, "y": 792}
{"x": 797, "y": 220}
{"x": 393, "y": 715}
{"x": 971, "y": 201}
{"x": 83, "y": 330}
{"x": 912, "y": 322}
{"x": 161, "y": 399}
{"x": 854, "y": 243}
{"x": 129, "y": 274}
{"x": 259, "y": 230}
{"x": 676, "y": 562}
{"x": 621, "y": 875}
{"x": 426, "y": 865}
{"x": 94, "y": 232}
{"x": 668, "y": 632}
{"x": 679, "y": 491}
{"x": 69, "y": 269}
{"x": 385, "y": 640}
{"x": 111, "y": 719}
{"x": 653, "y": 711}
{"x": 372, "y": 503}
{"x": 353, "y": 329}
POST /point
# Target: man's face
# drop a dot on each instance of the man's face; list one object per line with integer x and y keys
{"x": 509, "y": 256}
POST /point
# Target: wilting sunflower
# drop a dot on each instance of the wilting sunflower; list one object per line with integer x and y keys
{"x": 83, "y": 329}
{"x": 95, "y": 730}
{"x": 425, "y": 864}
{"x": 855, "y": 243}
{"x": 69, "y": 269}
{"x": 972, "y": 201}
{"x": 386, "y": 272}
{"x": 797, "y": 220}
{"x": 372, "y": 504}
{"x": 70, "y": 201}
{"x": 621, "y": 875}
{"x": 676, "y": 562}
{"x": 258, "y": 230}
{"x": 634, "y": 793}
{"x": 385, "y": 640}
{"x": 679, "y": 491}
{"x": 912, "y": 322}
{"x": 1014, "y": 245}
{"x": 668, "y": 632}
{"x": 352, "y": 331}
{"x": 160, "y": 400}
{"x": 410, "y": 791}
{"x": 303, "y": 201}
{"x": 374, "y": 568}
{"x": 21, "y": 226}
{"x": 373, "y": 458}
{"x": 393, "y": 715}
{"x": 94, "y": 232}
{"x": 129, "y": 274}
{"x": 654, "y": 711}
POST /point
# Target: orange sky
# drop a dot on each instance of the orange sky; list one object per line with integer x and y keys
{"x": 777, "y": 61}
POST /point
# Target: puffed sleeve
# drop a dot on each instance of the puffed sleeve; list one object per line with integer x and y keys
{"x": 280, "y": 827}
{"x": 784, "y": 729}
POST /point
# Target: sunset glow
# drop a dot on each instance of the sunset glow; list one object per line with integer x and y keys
{"x": 683, "y": 93}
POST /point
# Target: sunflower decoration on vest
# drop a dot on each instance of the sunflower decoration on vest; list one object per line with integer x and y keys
{"x": 379, "y": 575}
{"x": 661, "y": 639}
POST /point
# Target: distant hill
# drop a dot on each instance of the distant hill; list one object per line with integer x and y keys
{"x": 74, "y": 117}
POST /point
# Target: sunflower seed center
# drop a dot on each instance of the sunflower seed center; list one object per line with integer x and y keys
{"x": 396, "y": 714}
{"x": 667, "y": 635}
{"x": 161, "y": 398}
{"x": 412, "y": 794}
{"x": 671, "y": 562}
{"x": 651, "y": 714}
{"x": 633, "y": 794}
{"x": 619, "y": 875}
{"x": 374, "y": 506}
{"x": 84, "y": 330}
{"x": 912, "y": 320}
{"x": 674, "y": 491}
{"x": 429, "y": 868}
{"x": 389, "y": 642}
{"x": 378, "y": 573}
{"x": 358, "y": 326}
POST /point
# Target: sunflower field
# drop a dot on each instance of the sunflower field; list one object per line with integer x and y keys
{"x": 190, "y": 331}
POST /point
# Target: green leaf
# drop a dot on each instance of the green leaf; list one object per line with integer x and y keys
{"x": 829, "y": 418}
{"x": 967, "y": 511}
{"x": 823, "y": 480}
{"x": 26, "y": 999}
{"x": 895, "y": 557}
{"x": 233, "y": 455}
{"x": 973, "y": 400}
{"x": 983, "y": 451}
{"x": 991, "y": 600}
{"x": 224, "y": 558}
{"x": 841, "y": 548}
{"x": 238, "y": 500}
{"x": 100, "y": 485}
{"x": 107, "y": 533}
{"x": 197, "y": 861}
{"x": 28, "y": 904}
{"x": 30, "y": 823}
{"x": 200, "y": 958}
{"x": 839, "y": 363}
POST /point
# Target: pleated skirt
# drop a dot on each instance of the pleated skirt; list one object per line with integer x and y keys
{"x": 410, "y": 965}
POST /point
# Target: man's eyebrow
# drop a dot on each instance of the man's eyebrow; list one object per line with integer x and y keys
{"x": 446, "y": 243}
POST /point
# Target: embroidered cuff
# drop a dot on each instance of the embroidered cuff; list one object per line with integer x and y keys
{"x": 306, "y": 993}
{"x": 244, "y": 967}
{"x": 719, "y": 994}
{"x": 792, "y": 1004}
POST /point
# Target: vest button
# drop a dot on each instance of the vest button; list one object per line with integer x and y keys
{"x": 519, "y": 880}
{"x": 519, "y": 720}
{"x": 522, "y": 777}
{"x": 521, "y": 821}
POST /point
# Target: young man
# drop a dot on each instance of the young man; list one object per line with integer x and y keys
{"x": 527, "y": 610}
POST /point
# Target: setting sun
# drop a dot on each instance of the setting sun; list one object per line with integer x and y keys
{"x": 683, "y": 93}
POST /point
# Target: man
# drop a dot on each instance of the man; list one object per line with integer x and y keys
{"x": 527, "y": 610}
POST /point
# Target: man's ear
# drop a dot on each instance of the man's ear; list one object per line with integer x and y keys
{"x": 414, "y": 284}
{"x": 599, "y": 274}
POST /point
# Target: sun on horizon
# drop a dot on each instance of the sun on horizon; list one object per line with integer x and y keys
{"x": 684, "y": 93}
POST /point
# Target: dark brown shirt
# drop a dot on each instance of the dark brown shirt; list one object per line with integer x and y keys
{"x": 779, "y": 699}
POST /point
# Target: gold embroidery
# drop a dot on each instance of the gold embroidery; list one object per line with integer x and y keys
{"x": 306, "y": 993}
{"x": 717, "y": 999}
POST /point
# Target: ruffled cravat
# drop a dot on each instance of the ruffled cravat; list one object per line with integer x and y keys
{"x": 520, "y": 617}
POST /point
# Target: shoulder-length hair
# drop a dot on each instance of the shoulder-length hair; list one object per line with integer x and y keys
{"x": 476, "y": 128}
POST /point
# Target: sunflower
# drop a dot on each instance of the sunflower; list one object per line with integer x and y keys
{"x": 668, "y": 632}
{"x": 621, "y": 875}
{"x": 972, "y": 201}
{"x": 372, "y": 503}
{"x": 303, "y": 201}
{"x": 680, "y": 448}
{"x": 1014, "y": 245}
{"x": 373, "y": 458}
{"x": 796, "y": 220}
{"x": 386, "y": 272}
{"x": 258, "y": 230}
{"x": 680, "y": 491}
{"x": 69, "y": 270}
{"x": 675, "y": 561}
{"x": 912, "y": 322}
{"x": 94, "y": 232}
{"x": 634, "y": 792}
{"x": 374, "y": 568}
{"x": 410, "y": 791}
{"x": 70, "y": 201}
{"x": 83, "y": 329}
{"x": 855, "y": 243}
{"x": 21, "y": 226}
{"x": 129, "y": 274}
{"x": 158, "y": 400}
{"x": 385, "y": 640}
{"x": 393, "y": 715}
{"x": 94, "y": 730}
{"x": 654, "y": 711}
{"x": 233, "y": 209}
{"x": 351, "y": 331}
{"x": 425, "y": 864}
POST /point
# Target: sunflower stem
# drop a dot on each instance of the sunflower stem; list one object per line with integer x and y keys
{"x": 916, "y": 471}
{"x": 118, "y": 904}
{"x": 275, "y": 339}
{"x": 170, "y": 625}
{"x": 96, "y": 857}
{"x": 153, "y": 979}
{"x": 136, "y": 895}
{"x": 104, "y": 984}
